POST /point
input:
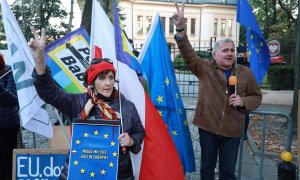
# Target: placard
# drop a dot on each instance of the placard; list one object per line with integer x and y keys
{"x": 38, "y": 164}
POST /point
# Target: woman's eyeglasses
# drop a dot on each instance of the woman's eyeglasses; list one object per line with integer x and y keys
{"x": 98, "y": 60}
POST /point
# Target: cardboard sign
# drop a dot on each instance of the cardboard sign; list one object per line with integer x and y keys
{"x": 38, "y": 164}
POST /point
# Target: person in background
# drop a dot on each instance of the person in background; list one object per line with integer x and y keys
{"x": 220, "y": 111}
{"x": 9, "y": 119}
{"x": 134, "y": 51}
{"x": 242, "y": 58}
{"x": 101, "y": 101}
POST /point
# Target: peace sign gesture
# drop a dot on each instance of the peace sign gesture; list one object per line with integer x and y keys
{"x": 178, "y": 16}
{"x": 37, "y": 46}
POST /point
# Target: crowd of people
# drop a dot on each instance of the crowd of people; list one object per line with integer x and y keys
{"x": 219, "y": 114}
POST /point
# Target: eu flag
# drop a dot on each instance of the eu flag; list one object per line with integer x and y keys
{"x": 156, "y": 62}
{"x": 94, "y": 150}
{"x": 257, "y": 46}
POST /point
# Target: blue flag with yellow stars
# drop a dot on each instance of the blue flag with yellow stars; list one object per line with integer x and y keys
{"x": 94, "y": 151}
{"x": 156, "y": 61}
{"x": 257, "y": 47}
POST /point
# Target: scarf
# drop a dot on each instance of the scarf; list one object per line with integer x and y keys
{"x": 106, "y": 111}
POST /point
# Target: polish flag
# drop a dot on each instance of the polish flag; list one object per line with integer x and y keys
{"x": 158, "y": 158}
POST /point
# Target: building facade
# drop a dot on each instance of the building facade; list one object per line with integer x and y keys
{"x": 206, "y": 20}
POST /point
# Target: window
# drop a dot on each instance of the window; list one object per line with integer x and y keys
{"x": 193, "y": 24}
{"x": 215, "y": 26}
{"x": 230, "y": 27}
{"x": 140, "y": 25}
{"x": 171, "y": 25}
{"x": 163, "y": 22}
{"x": 149, "y": 22}
{"x": 223, "y": 26}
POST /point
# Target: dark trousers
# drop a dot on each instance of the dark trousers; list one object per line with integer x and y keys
{"x": 8, "y": 142}
{"x": 213, "y": 145}
{"x": 247, "y": 118}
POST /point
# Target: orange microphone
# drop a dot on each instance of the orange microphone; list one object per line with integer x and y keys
{"x": 232, "y": 80}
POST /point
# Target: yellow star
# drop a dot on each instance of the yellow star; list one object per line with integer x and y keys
{"x": 96, "y": 133}
{"x": 185, "y": 122}
{"x": 257, "y": 51}
{"x": 261, "y": 44}
{"x": 103, "y": 172}
{"x": 78, "y": 141}
{"x": 114, "y": 154}
{"x": 167, "y": 81}
{"x": 180, "y": 111}
{"x": 92, "y": 174}
{"x": 111, "y": 164}
{"x": 177, "y": 95}
{"x": 82, "y": 171}
{"x": 174, "y": 133}
{"x": 250, "y": 53}
{"x": 251, "y": 36}
{"x": 76, "y": 163}
{"x": 160, "y": 113}
{"x": 159, "y": 99}
{"x": 112, "y": 143}
{"x": 105, "y": 136}
{"x": 85, "y": 134}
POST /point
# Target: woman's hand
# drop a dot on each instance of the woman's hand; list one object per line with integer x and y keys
{"x": 178, "y": 16}
{"x": 37, "y": 46}
{"x": 125, "y": 140}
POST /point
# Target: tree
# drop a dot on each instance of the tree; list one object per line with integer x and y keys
{"x": 277, "y": 19}
{"x": 41, "y": 14}
{"x": 87, "y": 13}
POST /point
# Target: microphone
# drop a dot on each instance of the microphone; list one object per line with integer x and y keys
{"x": 232, "y": 85}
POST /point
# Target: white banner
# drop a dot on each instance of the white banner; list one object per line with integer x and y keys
{"x": 34, "y": 117}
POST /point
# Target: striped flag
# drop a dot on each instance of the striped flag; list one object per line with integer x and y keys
{"x": 158, "y": 158}
{"x": 165, "y": 93}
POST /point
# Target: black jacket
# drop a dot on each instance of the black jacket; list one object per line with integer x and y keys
{"x": 72, "y": 104}
{"x": 9, "y": 106}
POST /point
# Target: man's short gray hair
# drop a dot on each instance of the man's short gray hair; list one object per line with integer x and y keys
{"x": 220, "y": 42}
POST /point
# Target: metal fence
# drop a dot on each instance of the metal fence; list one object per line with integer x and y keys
{"x": 189, "y": 84}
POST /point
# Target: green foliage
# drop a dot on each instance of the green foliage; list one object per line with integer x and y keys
{"x": 107, "y": 7}
{"x": 281, "y": 77}
{"x": 277, "y": 19}
{"x": 38, "y": 13}
{"x": 180, "y": 64}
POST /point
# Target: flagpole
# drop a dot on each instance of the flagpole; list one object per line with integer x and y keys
{"x": 5, "y": 74}
{"x": 243, "y": 128}
{"x": 62, "y": 127}
{"x": 120, "y": 101}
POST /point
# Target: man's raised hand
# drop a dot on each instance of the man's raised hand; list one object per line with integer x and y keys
{"x": 178, "y": 16}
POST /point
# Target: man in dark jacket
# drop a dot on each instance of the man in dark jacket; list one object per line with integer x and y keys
{"x": 9, "y": 119}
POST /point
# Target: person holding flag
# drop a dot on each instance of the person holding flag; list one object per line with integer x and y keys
{"x": 101, "y": 101}
{"x": 221, "y": 104}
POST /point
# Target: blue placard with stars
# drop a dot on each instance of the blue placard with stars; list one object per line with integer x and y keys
{"x": 94, "y": 150}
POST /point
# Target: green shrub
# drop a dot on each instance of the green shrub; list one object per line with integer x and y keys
{"x": 180, "y": 64}
{"x": 281, "y": 77}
